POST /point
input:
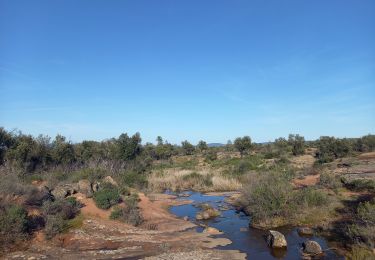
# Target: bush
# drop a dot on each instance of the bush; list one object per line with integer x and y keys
{"x": 271, "y": 200}
{"x": 330, "y": 148}
{"x": 310, "y": 197}
{"x": 133, "y": 179}
{"x": 58, "y": 214}
{"x": 116, "y": 213}
{"x": 329, "y": 181}
{"x": 197, "y": 179}
{"x": 363, "y": 229}
{"x": 360, "y": 253}
{"x": 107, "y": 197}
{"x": 366, "y": 212}
{"x": 211, "y": 155}
{"x": 361, "y": 185}
{"x": 268, "y": 196}
{"x": 13, "y": 224}
{"x": 130, "y": 213}
{"x": 67, "y": 209}
{"x": 55, "y": 224}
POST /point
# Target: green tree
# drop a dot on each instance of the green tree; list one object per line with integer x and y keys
{"x": 297, "y": 143}
{"x": 159, "y": 140}
{"x": 63, "y": 151}
{"x": 187, "y": 148}
{"x": 243, "y": 144}
{"x": 128, "y": 147}
{"x": 6, "y": 141}
{"x": 281, "y": 145}
{"x": 330, "y": 148}
{"x": 202, "y": 146}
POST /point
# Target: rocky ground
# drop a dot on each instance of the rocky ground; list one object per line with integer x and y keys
{"x": 162, "y": 236}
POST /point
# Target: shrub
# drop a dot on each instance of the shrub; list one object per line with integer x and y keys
{"x": 267, "y": 196}
{"x": 55, "y": 224}
{"x": 363, "y": 229}
{"x": 13, "y": 224}
{"x": 361, "y": 184}
{"x": 330, "y": 148}
{"x": 107, "y": 197}
{"x": 211, "y": 155}
{"x": 66, "y": 208}
{"x": 329, "y": 181}
{"x": 58, "y": 214}
{"x": 130, "y": 213}
{"x": 36, "y": 197}
{"x": 360, "y": 253}
{"x": 116, "y": 213}
{"x": 366, "y": 212}
{"x": 197, "y": 179}
{"x": 310, "y": 197}
{"x": 133, "y": 179}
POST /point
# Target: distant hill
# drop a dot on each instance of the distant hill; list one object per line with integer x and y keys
{"x": 215, "y": 145}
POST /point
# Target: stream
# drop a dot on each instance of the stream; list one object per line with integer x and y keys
{"x": 235, "y": 226}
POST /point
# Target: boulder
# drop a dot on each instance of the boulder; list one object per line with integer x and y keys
{"x": 186, "y": 218}
{"x": 64, "y": 190}
{"x": 84, "y": 187}
{"x": 312, "y": 248}
{"x": 212, "y": 231}
{"x": 199, "y": 216}
{"x": 95, "y": 186}
{"x": 275, "y": 239}
{"x": 305, "y": 231}
{"x": 110, "y": 180}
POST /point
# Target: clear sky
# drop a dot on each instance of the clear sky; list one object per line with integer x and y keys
{"x": 188, "y": 69}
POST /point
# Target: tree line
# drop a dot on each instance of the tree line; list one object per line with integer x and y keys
{"x": 29, "y": 154}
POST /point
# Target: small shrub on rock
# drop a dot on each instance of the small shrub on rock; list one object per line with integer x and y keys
{"x": 108, "y": 196}
{"x": 130, "y": 213}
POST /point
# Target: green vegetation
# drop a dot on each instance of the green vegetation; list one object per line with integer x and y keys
{"x": 130, "y": 213}
{"x": 108, "y": 196}
{"x": 266, "y": 173}
{"x": 13, "y": 224}
{"x": 272, "y": 201}
{"x": 243, "y": 144}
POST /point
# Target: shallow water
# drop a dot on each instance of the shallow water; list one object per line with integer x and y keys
{"x": 249, "y": 240}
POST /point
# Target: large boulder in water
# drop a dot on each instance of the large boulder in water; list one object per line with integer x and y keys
{"x": 275, "y": 239}
{"x": 312, "y": 248}
{"x": 305, "y": 231}
{"x": 85, "y": 187}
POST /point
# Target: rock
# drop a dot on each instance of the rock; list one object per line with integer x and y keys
{"x": 305, "y": 231}
{"x": 312, "y": 248}
{"x": 109, "y": 179}
{"x": 95, "y": 186}
{"x": 199, "y": 216}
{"x": 186, "y": 218}
{"x": 64, "y": 190}
{"x": 243, "y": 229}
{"x": 84, "y": 186}
{"x": 205, "y": 215}
{"x": 212, "y": 231}
{"x": 275, "y": 239}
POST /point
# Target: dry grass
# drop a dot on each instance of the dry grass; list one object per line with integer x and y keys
{"x": 203, "y": 180}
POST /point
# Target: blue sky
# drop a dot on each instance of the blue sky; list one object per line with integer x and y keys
{"x": 190, "y": 69}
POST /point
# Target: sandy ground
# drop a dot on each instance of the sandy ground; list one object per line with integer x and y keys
{"x": 309, "y": 180}
{"x": 101, "y": 238}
